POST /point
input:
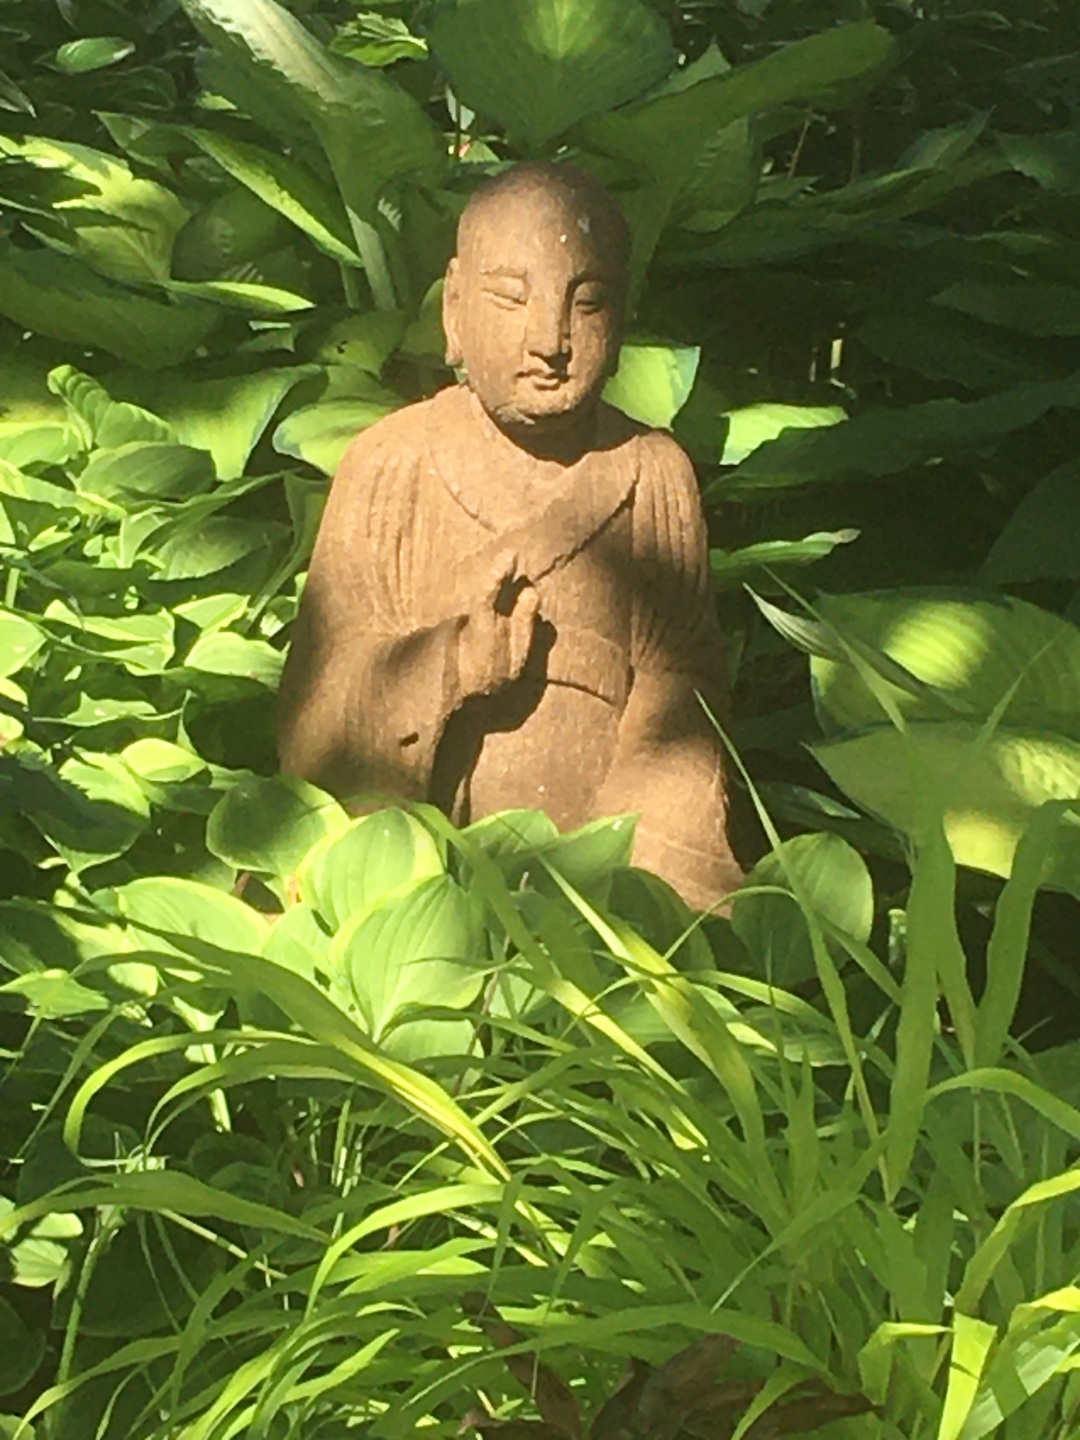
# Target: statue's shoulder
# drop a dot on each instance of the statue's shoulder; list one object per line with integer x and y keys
{"x": 395, "y": 442}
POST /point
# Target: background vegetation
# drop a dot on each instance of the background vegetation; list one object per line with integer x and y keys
{"x": 313, "y": 1126}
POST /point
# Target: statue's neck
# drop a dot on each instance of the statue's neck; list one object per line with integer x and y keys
{"x": 558, "y": 439}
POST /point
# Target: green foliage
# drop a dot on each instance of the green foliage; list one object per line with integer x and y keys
{"x": 281, "y": 1086}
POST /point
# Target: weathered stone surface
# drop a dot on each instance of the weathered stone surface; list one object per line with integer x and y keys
{"x": 509, "y": 603}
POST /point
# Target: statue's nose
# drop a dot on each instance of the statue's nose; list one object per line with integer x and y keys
{"x": 545, "y": 334}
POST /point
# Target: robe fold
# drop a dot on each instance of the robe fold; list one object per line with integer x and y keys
{"x": 604, "y": 719}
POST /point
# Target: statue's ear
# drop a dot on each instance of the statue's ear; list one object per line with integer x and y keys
{"x": 451, "y": 307}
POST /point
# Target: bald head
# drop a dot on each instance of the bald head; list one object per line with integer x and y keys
{"x": 578, "y": 196}
{"x": 534, "y": 298}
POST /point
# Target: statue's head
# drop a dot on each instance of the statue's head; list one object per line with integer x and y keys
{"x": 534, "y": 296}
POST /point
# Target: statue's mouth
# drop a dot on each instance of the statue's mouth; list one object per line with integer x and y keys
{"x": 544, "y": 379}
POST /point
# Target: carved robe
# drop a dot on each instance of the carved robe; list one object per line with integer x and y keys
{"x": 603, "y": 721}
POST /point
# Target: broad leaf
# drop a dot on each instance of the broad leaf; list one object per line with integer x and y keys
{"x": 834, "y": 880}
{"x": 1042, "y": 539}
{"x": 62, "y": 297}
{"x": 413, "y": 951}
{"x": 288, "y": 187}
{"x": 376, "y": 857}
{"x": 653, "y": 382}
{"x": 123, "y": 225}
{"x": 539, "y": 66}
{"x": 320, "y": 434}
{"x": 990, "y": 787}
{"x": 143, "y": 473}
{"x": 270, "y": 825}
{"x": 968, "y": 649}
{"x": 371, "y": 129}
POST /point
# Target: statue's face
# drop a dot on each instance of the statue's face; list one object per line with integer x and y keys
{"x": 533, "y": 311}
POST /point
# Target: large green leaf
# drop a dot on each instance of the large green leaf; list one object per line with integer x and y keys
{"x": 64, "y": 298}
{"x": 123, "y": 225}
{"x": 194, "y": 548}
{"x": 185, "y": 907}
{"x": 103, "y": 420}
{"x": 270, "y": 825}
{"x": 834, "y": 880}
{"x": 226, "y": 653}
{"x": 377, "y": 856}
{"x": 142, "y": 472}
{"x": 142, "y": 642}
{"x": 288, "y": 187}
{"x": 671, "y": 135}
{"x": 371, "y": 129}
{"x": 653, "y": 381}
{"x": 756, "y": 425}
{"x": 885, "y": 440}
{"x": 1042, "y": 538}
{"x": 969, "y": 649}
{"x": 92, "y": 810}
{"x": 412, "y": 951}
{"x": 990, "y": 787}
{"x": 539, "y": 66}
{"x": 226, "y": 416}
{"x": 321, "y": 433}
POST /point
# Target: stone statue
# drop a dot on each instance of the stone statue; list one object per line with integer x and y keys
{"x": 509, "y": 601}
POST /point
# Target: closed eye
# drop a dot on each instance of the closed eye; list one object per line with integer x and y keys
{"x": 508, "y": 300}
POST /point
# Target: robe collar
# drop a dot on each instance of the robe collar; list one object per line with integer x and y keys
{"x": 471, "y": 457}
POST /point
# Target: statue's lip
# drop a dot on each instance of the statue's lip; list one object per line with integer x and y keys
{"x": 544, "y": 379}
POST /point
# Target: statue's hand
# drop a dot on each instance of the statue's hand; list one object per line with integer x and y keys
{"x": 497, "y": 636}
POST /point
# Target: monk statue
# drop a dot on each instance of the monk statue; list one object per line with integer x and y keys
{"x": 509, "y": 601}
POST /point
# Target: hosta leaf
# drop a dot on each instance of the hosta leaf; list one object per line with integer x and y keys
{"x": 123, "y": 225}
{"x": 756, "y": 424}
{"x": 588, "y": 857}
{"x": 270, "y": 825}
{"x": 193, "y": 549}
{"x": 990, "y": 788}
{"x": 1041, "y": 541}
{"x": 79, "y": 57}
{"x": 140, "y": 472}
{"x": 539, "y": 66}
{"x": 653, "y": 382}
{"x": 143, "y": 643}
{"x": 355, "y": 112}
{"x": 252, "y": 298}
{"x": 671, "y": 137}
{"x": 63, "y": 298}
{"x": 225, "y": 653}
{"x": 186, "y": 907}
{"x": 320, "y": 434}
{"x": 377, "y": 856}
{"x": 55, "y": 995}
{"x": 162, "y": 762}
{"x": 886, "y": 440}
{"x": 20, "y": 640}
{"x": 970, "y": 648}
{"x": 105, "y": 421}
{"x": 225, "y": 416}
{"x": 1026, "y": 306}
{"x": 836, "y": 883}
{"x": 287, "y": 187}
{"x": 411, "y": 951}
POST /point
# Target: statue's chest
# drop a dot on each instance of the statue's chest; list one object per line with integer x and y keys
{"x": 576, "y": 550}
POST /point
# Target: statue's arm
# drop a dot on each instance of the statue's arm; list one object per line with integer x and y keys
{"x": 669, "y": 762}
{"x": 383, "y": 650}
{"x": 362, "y": 694}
